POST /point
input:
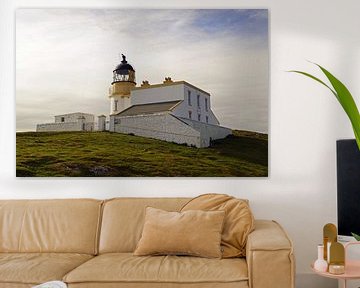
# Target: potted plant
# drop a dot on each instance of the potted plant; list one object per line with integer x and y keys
{"x": 345, "y": 99}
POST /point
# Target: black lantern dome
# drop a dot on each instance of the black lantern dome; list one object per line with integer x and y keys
{"x": 124, "y": 72}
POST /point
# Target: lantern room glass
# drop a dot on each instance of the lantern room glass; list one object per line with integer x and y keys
{"x": 123, "y": 76}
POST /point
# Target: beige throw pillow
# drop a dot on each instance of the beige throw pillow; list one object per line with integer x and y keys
{"x": 239, "y": 220}
{"x": 196, "y": 233}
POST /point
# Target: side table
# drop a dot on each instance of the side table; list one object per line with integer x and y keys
{"x": 352, "y": 268}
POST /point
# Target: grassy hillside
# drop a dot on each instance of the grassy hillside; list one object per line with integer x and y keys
{"x": 112, "y": 154}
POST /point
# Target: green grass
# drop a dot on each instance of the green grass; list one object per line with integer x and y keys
{"x": 81, "y": 154}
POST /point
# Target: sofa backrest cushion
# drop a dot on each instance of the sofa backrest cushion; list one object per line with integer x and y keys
{"x": 239, "y": 220}
{"x": 64, "y": 226}
{"x": 123, "y": 220}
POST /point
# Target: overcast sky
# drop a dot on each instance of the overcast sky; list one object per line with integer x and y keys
{"x": 65, "y": 59}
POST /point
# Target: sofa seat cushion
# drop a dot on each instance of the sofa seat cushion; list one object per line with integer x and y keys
{"x": 15, "y": 285}
{"x": 36, "y": 268}
{"x": 127, "y": 268}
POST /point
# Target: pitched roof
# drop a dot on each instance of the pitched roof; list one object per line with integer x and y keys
{"x": 150, "y": 108}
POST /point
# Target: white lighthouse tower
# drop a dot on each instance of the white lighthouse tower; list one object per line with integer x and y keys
{"x": 123, "y": 81}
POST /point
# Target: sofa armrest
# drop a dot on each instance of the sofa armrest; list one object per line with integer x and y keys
{"x": 269, "y": 256}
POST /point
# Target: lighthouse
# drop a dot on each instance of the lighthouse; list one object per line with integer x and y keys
{"x": 123, "y": 81}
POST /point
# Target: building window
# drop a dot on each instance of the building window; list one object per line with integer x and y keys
{"x": 206, "y": 104}
{"x": 189, "y": 97}
{"x": 198, "y": 100}
{"x": 115, "y": 105}
{"x": 190, "y": 114}
{"x": 199, "y": 117}
{"x": 62, "y": 119}
{"x": 207, "y": 119}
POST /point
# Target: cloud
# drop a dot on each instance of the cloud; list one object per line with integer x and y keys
{"x": 65, "y": 58}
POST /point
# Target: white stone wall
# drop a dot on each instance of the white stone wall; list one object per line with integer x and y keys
{"x": 89, "y": 126}
{"x": 72, "y": 122}
{"x": 208, "y": 132}
{"x": 101, "y": 125}
{"x": 158, "y": 126}
{"x": 57, "y": 127}
{"x": 157, "y": 94}
{"x": 112, "y": 123}
{"x": 170, "y": 128}
{"x": 73, "y": 117}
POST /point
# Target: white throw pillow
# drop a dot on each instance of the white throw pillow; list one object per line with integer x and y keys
{"x": 52, "y": 284}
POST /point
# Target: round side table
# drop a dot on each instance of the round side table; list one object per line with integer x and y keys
{"x": 352, "y": 269}
{"x": 352, "y": 272}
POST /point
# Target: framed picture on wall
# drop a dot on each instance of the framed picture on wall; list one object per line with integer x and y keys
{"x": 142, "y": 92}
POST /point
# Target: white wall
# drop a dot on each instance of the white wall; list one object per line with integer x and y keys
{"x": 74, "y": 117}
{"x": 122, "y": 104}
{"x": 305, "y": 121}
{"x": 161, "y": 126}
{"x": 208, "y": 131}
{"x": 68, "y": 126}
{"x": 182, "y": 110}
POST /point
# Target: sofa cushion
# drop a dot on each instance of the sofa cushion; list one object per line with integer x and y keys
{"x": 15, "y": 285}
{"x": 123, "y": 220}
{"x": 193, "y": 232}
{"x": 63, "y": 226}
{"x": 239, "y": 220}
{"x": 127, "y": 268}
{"x": 36, "y": 268}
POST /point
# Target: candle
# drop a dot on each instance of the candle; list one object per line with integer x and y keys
{"x": 336, "y": 269}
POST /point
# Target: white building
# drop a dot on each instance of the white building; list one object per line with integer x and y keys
{"x": 172, "y": 111}
{"x": 69, "y": 122}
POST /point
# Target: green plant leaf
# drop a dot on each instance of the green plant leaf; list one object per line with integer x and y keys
{"x": 316, "y": 79}
{"x": 347, "y": 102}
{"x": 344, "y": 97}
{"x": 356, "y": 236}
